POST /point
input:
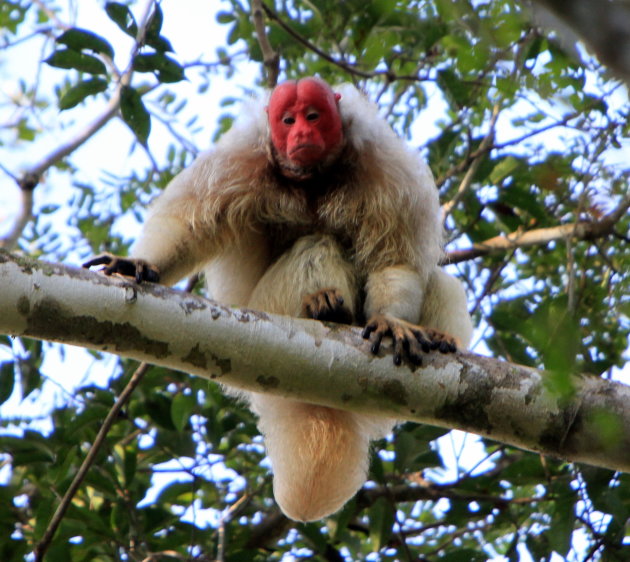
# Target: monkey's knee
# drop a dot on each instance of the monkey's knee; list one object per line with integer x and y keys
{"x": 445, "y": 308}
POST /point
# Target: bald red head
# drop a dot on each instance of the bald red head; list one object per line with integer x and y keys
{"x": 305, "y": 122}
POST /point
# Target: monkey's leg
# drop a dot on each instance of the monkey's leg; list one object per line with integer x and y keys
{"x": 312, "y": 265}
{"x": 319, "y": 455}
{"x": 445, "y": 308}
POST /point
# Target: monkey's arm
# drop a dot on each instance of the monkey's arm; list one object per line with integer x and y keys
{"x": 173, "y": 242}
{"x": 394, "y": 300}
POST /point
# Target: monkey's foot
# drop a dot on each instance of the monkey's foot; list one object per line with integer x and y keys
{"x": 326, "y": 305}
{"x": 140, "y": 270}
{"x": 409, "y": 339}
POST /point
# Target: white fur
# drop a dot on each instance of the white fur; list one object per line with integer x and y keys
{"x": 218, "y": 214}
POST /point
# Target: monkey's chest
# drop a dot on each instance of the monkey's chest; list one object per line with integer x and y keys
{"x": 283, "y": 236}
{"x": 296, "y": 211}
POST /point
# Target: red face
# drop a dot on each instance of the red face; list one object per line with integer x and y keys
{"x": 305, "y": 122}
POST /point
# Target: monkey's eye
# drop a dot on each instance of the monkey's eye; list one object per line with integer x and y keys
{"x": 312, "y": 116}
{"x": 288, "y": 120}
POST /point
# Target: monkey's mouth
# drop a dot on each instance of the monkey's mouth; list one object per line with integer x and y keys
{"x": 306, "y": 154}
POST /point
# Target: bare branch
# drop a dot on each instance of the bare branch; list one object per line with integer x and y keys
{"x": 32, "y": 176}
{"x": 44, "y": 543}
{"x": 435, "y": 492}
{"x": 271, "y": 59}
{"x": 577, "y": 231}
{"x": 27, "y": 184}
{"x": 484, "y": 147}
{"x": 321, "y": 363}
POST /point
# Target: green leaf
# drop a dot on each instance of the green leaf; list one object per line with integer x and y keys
{"x": 30, "y": 377}
{"x": 152, "y": 36}
{"x": 7, "y": 380}
{"x": 30, "y": 448}
{"x": 562, "y": 523}
{"x": 155, "y": 22}
{"x": 130, "y": 466}
{"x": 121, "y": 15}
{"x": 504, "y": 168}
{"x": 135, "y": 114}
{"x": 381, "y": 523}
{"x": 225, "y": 17}
{"x": 315, "y": 535}
{"x": 44, "y": 512}
{"x": 405, "y": 450}
{"x": 79, "y": 39}
{"x": 464, "y": 555}
{"x": 457, "y": 92}
{"x": 71, "y": 59}
{"x": 181, "y": 408}
{"x": 80, "y": 91}
{"x": 167, "y": 69}
{"x": 180, "y": 493}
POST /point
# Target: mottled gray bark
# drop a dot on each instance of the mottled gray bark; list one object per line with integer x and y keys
{"x": 326, "y": 364}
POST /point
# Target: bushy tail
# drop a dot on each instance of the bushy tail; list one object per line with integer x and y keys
{"x": 319, "y": 455}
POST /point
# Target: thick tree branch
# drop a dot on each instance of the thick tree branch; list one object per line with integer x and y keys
{"x": 540, "y": 236}
{"x": 305, "y": 359}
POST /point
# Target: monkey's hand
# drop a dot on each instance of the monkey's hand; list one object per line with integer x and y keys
{"x": 327, "y": 305}
{"x": 129, "y": 267}
{"x": 409, "y": 339}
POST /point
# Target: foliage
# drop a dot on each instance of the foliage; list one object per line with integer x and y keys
{"x": 521, "y": 136}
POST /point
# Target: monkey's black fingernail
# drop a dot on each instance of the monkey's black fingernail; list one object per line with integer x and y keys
{"x": 367, "y": 331}
{"x": 397, "y": 359}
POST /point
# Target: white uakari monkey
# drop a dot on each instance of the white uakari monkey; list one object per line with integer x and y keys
{"x": 312, "y": 208}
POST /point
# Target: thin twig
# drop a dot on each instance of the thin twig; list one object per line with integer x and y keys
{"x": 225, "y": 518}
{"x": 463, "y": 165}
{"x": 340, "y": 63}
{"x": 134, "y": 381}
{"x": 472, "y": 169}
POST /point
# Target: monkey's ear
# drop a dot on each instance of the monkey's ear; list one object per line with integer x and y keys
{"x": 337, "y": 98}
